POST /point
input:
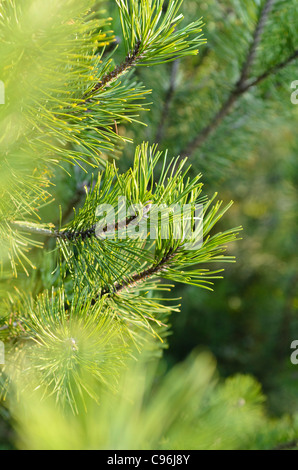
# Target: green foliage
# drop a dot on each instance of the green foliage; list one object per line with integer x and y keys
{"x": 157, "y": 30}
{"x": 83, "y": 331}
{"x": 108, "y": 279}
{"x": 64, "y": 99}
{"x": 93, "y": 259}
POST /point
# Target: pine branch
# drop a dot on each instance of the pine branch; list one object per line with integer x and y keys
{"x": 242, "y": 85}
{"x": 129, "y": 62}
{"x": 142, "y": 276}
{"x": 35, "y": 229}
{"x": 273, "y": 70}
{"x": 66, "y": 234}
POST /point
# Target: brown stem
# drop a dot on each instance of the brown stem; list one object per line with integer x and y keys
{"x": 250, "y": 59}
{"x": 130, "y": 60}
{"x": 142, "y": 276}
{"x": 273, "y": 70}
{"x": 74, "y": 234}
{"x": 234, "y": 96}
{"x": 37, "y": 230}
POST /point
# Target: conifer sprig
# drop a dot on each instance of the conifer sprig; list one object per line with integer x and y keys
{"x": 91, "y": 259}
{"x": 155, "y": 28}
{"x": 127, "y": 64}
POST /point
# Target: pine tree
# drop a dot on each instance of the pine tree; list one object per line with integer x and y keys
{"x": 83, "y": 334}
